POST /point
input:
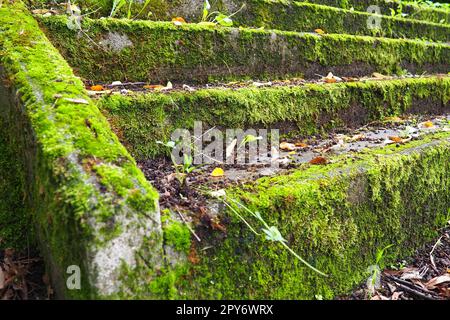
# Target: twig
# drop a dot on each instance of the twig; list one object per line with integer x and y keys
{"x": 432, "y": 250}
{"x": 419, "y": 294}
{"x": 187, "y": 225}
{"x": 407, "y": 283}
{"x": 425, "y": 293}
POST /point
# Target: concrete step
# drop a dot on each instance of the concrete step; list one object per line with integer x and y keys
{"x": 334, "y": 216}
{"x": 142, "y": 119}
{"x": 306, "y": 17}
{"x": 109, "y": 50}
{"x": 402, "y": 8}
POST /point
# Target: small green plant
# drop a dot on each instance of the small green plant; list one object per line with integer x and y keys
{"x": 398, "y": 266}
{"x": 373, "y": 282}
{"x": 398, "y": 12}
{"x": 119, "y": 4}
{"x": 181, "y": 170}
{"x": 217, "y": 17}
{"x": 271, "y": 233}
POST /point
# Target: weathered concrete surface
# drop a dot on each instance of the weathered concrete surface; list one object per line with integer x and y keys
{"x": 88, "y": 201}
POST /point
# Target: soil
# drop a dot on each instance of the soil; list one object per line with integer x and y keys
{"x": 426, "y": 276}
{"x": 23, "y": 277}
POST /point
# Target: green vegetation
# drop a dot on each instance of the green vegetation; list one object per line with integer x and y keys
{"x": 77, "y": 190}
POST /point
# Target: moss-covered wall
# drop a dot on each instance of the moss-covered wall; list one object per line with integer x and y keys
{"x": 16, "y": 229}
{"x": 336, "y": 217}
{"x": 141, "y": 120}
{"x": 89, "y": 203}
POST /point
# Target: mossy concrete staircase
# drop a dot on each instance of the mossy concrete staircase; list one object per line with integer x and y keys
{"x": 73, "y": 175}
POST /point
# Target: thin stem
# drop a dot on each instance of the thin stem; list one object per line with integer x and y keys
{"x": 242, "y": 218}
{"x": 302, "y": 260}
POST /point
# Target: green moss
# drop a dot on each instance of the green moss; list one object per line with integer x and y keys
{"x": 306, "y": 17}
{"x": 413, "y": 11}
{"x": 176, "y": 235}
{"x": 162, "y": 52}
{"x": 141, "y": 120}
{"x": 16, "y": 230}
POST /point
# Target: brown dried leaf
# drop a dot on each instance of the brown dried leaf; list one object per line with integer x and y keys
{"x": 435, "y": 282}
{"x": 319, "y": 161}
{"x": 396, "y": 295}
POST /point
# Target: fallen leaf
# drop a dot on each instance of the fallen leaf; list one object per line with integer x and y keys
{"x": 393, "y": 119}
{"x": 411, "y": 274}
{"x": 286, "y": 146}
{"x": 153, "y": 86}
{"x": 330, "y": 78}
{"x": 40, "y": 11}
{"x": 396, "y": 295}
{"x": 262, "y": 84}
{"x": 319, "y": 161}
{"x": 319, "y": 31}
{"x": 97, "y": 88}
{"x": 193, "y": 256}
{"x": 350, "y": 79}
{"x": 301, "y": 145}
{"x": 218, "y": 172}
{"x": 188, "y": 88}
{"x": 230, "y": 148}
{"x": 219, "y": 193}
{"x": 379, "y": 75}
{"x": 426, "y": 124}
{"x": 77, "y": 101}
{"x": 433, "y": 283}
{"x": 395, "y": 139}
{"x": 178, "y": 21}
{"x": 169, "y": 86}
{"x": 357, "y": 137}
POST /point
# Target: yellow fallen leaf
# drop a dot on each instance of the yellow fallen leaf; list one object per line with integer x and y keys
{"x": 428, "y": 124}
{"x": 396, "y": 139}
{"x": 301, "y": 145}
{"x": 153, "y": 86}
{"x": 97, "y": 88}
{"x": 393, "y": 119}
{"x": 178, "y": 21}
{"x": 319, "y": 31}
{"x": 218, "y": 172}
